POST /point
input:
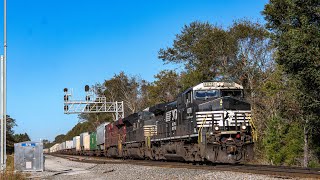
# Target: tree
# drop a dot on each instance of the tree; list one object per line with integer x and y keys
{"x": 295, "y": 28}
{"x": 165, "y": 88}
{"x": 201, "y": 47}
{"x": 59, "y": 138}
{"x": 10, "y": 134}
{"x": 278, "y": 111}
{"x": 78, "y": 129}
{"x": 122, "y": 87}
{"x": 239, "y": 53}
{"x": 145, "y": 99}
{"x": 253, "y": 56}
{"x": 95, "y": 119}
{"x": 21, "y": 137}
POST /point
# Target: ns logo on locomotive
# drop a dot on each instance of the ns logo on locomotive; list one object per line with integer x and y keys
{"x": 208, "y": 122}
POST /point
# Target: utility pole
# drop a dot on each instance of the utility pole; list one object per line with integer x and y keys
{"x": 3, "y": 89}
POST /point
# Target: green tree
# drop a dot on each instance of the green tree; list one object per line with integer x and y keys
{"x": 282, "y": 142}
{"x": 59, "y": 138}
{"x": 278, "y": 111}
{"x": 201, "y": 47}
{"x": 21, "y": 137}
{"x": 165, "y": 88}
{"x": 122, "y": 87}
{"x": 10, "y": 134}
{"x": 47, "y": 143}
{"x": 295, "y": 27}
{"x": 78, "y": 129}
{"x": 240, "y": 53}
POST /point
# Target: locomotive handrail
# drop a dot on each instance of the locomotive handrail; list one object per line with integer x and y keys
{"x": 253, "y": 131}
{"x": 200, "y": 129}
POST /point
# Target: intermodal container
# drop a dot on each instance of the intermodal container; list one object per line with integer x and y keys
{"x": 75, "y": 141}
{"x": 101, "y": 130}
{"x": 54, "y": 148}
{"x": 69, "y": 144}
{"x": 78, "y": 147}
{"x": 62, "y": 146}
{"x": 93, "y": 141}
{"x": 86, "y": 142}
{"x": 82, "y": 141}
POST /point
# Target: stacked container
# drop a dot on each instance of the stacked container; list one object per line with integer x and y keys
{"x": 62, "y": 146}
{"x": 101, "y": 130}
{"x": 54, "y": 148}
{"x": 76, "y": 143}
{"x": 93, "y": 141}
{"x": 85, "y": 141}
{"x": 69, "y": 144}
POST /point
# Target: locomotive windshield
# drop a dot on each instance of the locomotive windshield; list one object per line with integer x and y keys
{"x": 231, "y": 92}
{"x": 205, "y": 94}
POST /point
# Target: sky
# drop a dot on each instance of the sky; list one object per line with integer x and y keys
{"x": 53, "y": 44}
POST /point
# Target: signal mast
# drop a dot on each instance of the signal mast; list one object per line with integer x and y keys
{"x": 91, "y": 104}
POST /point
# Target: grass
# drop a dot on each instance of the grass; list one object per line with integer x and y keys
{"x": 9, "y": 173}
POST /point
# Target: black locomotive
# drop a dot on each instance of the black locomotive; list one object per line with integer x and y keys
{"x": 208, "y": 122}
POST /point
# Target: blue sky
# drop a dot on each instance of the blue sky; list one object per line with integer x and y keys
{"x": 54, "y": 44}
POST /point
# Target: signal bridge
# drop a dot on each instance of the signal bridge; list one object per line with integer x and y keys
{"x": 91, "y": 104}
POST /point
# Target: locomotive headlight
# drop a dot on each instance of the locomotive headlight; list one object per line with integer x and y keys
{"x": 243, "y": 127}
{"x": 216, "y": 128}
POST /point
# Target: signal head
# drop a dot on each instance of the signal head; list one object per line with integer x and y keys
{"x": 86, "y": 88}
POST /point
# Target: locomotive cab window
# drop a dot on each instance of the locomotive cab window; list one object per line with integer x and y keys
{"x": 232, "y": 92}
{"x": 206, "y": 94}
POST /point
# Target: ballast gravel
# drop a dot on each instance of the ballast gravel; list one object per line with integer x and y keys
{"x": 59, "y": 168}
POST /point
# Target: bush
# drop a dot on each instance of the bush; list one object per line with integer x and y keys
{"x": 283, "y": 142}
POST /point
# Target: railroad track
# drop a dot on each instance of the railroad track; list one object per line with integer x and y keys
{"x": 275, "y": 171}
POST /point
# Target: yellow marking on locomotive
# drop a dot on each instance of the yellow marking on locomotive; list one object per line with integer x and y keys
{"x": 253, "y": 132}
{"x": 200, "y": 129}
{"x": 148, "y": 142}
{"x": 119, "y": 143}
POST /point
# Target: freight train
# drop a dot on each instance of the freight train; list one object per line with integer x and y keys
{"x": 208, "y": 122}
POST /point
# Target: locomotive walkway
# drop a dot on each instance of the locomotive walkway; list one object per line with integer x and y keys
{"x": 104, "y": 168}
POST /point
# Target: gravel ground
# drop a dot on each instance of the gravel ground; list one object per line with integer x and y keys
{"x": 59, "y": 168}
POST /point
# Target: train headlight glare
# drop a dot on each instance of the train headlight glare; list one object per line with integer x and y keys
{"x": 243, "y": 127}
{"x": 216, "y": 128}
